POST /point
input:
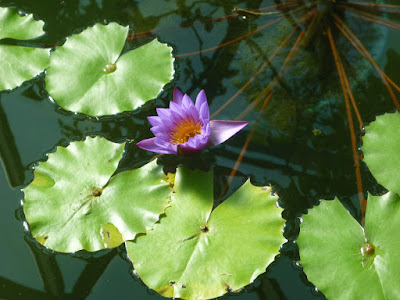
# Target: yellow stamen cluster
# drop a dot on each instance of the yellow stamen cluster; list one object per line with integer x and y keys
{"x": 184, "y": 130}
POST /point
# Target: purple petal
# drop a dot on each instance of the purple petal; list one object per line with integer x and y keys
{"x": 204, "y": 112}
{"x": 166, "y": 144}
{"x": 160, "y": 134}
{"x": 176, "y": 108}
{"x": 223, "y": 130}
{"x": 164, "y": 113}
{"x": 203, "y": 140}
{"x": 155, "y": 121}
{"x": 197, "y": 142}
{"x": 193, "y": 114}
{"x": 166, "y": 118}
{"x": 191, "y": 143}
{"x": 187, "y": 103}
{"x": 176, "y": 117}
{"x": 157, "y": 129}
{"x": 178, "y": 96}
{"x": 164, "y": 128}
{"x": 202, "y": 143}
{"x": 150, "y": 145}
{"x": 204, "y": 137}
{"x": 206, "y": 130}
{"x": 201, "y": 101}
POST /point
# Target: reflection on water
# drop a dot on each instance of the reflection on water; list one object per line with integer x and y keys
{"x": 9, "y": 155}
{"x": 307, "y": 75}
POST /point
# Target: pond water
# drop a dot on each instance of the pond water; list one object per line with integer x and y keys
{"x": 302, "y": 143}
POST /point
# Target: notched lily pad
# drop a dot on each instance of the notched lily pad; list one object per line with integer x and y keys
{"x": 343, "y": 262}
{"x": 18, "y": 64}
{"x": 197, "y": 253}
{"x": 75, "y": 202}
{"x": 19, "y": 27}
{"x": 88, "y": 75}
{"x": 381, "y": 147}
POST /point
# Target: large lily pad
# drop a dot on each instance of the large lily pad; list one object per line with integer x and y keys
{"x": 75, "y": 203}
{"x": 87, "y": 74}
{"x": 382, "y": 150}
{"x": 343, "y": 262}
{"x": 18, "y": 64}
{"x": 197, "y": 253}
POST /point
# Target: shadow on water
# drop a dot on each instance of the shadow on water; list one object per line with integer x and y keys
{"x": 307, "y": 75}
{"x": 51, "y": 276}
{"x": 9, "y": 153}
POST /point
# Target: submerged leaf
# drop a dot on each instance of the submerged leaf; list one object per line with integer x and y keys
{"x": 75, "y": 203}
{"x": 381, "y": 147}
{"x": 197, "y": 253}
{"x": 88, "y": 75}
{"x": 18, "y": 64}
{"x": 345, "y": 264}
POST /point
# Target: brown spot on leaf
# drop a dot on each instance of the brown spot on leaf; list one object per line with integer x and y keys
{"x": 204, "y": 228}
{"x": 110, "y": 68}
{"x": 369, "y": 249}
{"x": 97, "y": 192}
{"x": 228, "y": 288}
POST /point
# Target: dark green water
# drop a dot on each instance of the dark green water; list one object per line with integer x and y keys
{"x": 302, "y": 167}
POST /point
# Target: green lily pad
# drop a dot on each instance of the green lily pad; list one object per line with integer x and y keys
{"x": 382, "y": 150}
{"x": 343, "y": 262}
{"x": 75, "y": 203}
{"x": 197, "y": 253}
{"x": 88, "y": 75}
{"x": 18, "y": 64}
{"x": 15, "y": 26}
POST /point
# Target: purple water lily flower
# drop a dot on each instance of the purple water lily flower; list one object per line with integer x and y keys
{"x": 185, "y": 127}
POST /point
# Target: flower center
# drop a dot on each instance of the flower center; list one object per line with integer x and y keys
{"x": 184, "y": 130}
